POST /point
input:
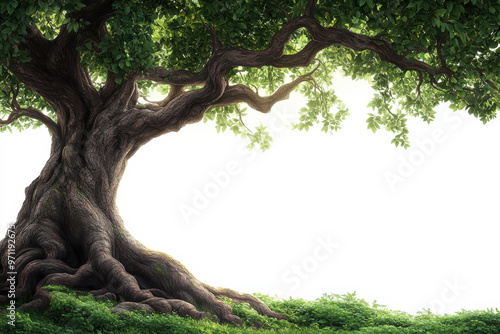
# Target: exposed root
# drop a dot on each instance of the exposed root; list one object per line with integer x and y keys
{"x": 36, "y": 270}
{"x": 103, "y": 294}
{"x": 95, "y": 254}
{"x": 240, "y": 298}
{"x": 171, "y": 290}
{"x": 82, "y": 279}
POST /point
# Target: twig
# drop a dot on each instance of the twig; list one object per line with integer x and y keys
{"x": 283, "y": 10}
{"x": 241, "y": 118}
{"x": 311, "y": 8}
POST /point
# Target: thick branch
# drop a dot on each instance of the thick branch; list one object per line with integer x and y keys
{"x": 311, "y": 8}
{"x": 95, "y": 13}
{"x": 38, "y": 115}
{"x": 120, "y": 95}
{"x": 190, "y": 106}
{"x": 176, "y": 77}
{"x": 217, "y": 43}
{"x": 35, "y": 114}
{"x": 241, "y": 93}
{"x": 322, "y": 38}
{"x": 438, "y": 49}
{"x": 174, "y": 92}
{"x": 11, "y": 119}
{"x": 325, "y": 37}
{"x": 64, "y": 99}
{"x": 55, "y": 72}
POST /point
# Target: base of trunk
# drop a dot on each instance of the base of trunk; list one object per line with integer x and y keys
{"x": 85, "y": 247}
{"x": 70, "y": 233}
{"x": 144, "y": 280}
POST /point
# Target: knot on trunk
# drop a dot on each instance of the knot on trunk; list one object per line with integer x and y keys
{"x": 71, "y": 157}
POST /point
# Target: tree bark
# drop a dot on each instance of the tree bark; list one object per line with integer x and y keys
{"x": 69, "y": 232}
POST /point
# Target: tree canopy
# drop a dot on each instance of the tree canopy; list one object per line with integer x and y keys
{"x": 416, "y": 54}
{"x": 86, "y": 70}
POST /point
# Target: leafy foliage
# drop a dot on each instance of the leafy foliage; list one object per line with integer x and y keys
{"x": 71, "y": 312}
{"x": 459, "y": 35}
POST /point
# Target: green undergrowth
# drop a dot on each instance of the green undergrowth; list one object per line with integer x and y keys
{"x": 71, "y": 312}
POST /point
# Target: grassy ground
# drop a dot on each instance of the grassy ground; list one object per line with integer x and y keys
{"x": 73, "y": 313}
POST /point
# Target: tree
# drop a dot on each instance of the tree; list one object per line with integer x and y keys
{"x": 84, "y": 69}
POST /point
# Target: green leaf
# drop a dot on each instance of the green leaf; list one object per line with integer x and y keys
{"x": 440, "y": 12}
{"x": 463, "y": 37}
{"x": 30, "y": 10}
{"x": 142, "y": 35}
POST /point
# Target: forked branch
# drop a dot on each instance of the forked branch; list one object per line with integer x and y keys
{"x": 35, "y": 114}
{"x": 241, "y": 93}
{"x": 18, "y": 111}
{"x": 189, "y": 107}
{"x": 216, "y": 42}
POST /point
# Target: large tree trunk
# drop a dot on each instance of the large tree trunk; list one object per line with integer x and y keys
{"x": 69, "y": 232}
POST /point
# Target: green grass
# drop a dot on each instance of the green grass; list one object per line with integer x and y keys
{"x": 76, "y": 313}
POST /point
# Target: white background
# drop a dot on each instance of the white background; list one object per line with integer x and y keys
{"x": 428, "y": 241}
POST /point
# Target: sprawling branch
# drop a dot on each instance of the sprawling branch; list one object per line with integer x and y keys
{"x": 182, "y": 108}
{"x": 55, "y": 72}
{"x": 241, "y": 93}
{"x": 18, "y": 111}
{"x": 224, "y": 59}
{"x": 65, "y": 100}
{"x": 35, "y": 114}
{"x": 11, "y": 119}
{"x": 176, "y": 77}
{"x": 325, "y": 37}
{"x": 174, "y": 92}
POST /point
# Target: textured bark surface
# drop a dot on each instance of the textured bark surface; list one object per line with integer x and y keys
{"x": 69, "y": 231}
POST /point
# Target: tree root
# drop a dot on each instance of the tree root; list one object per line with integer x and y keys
{"x": 94, "y": 253}
{"x": 163, "y": 286}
